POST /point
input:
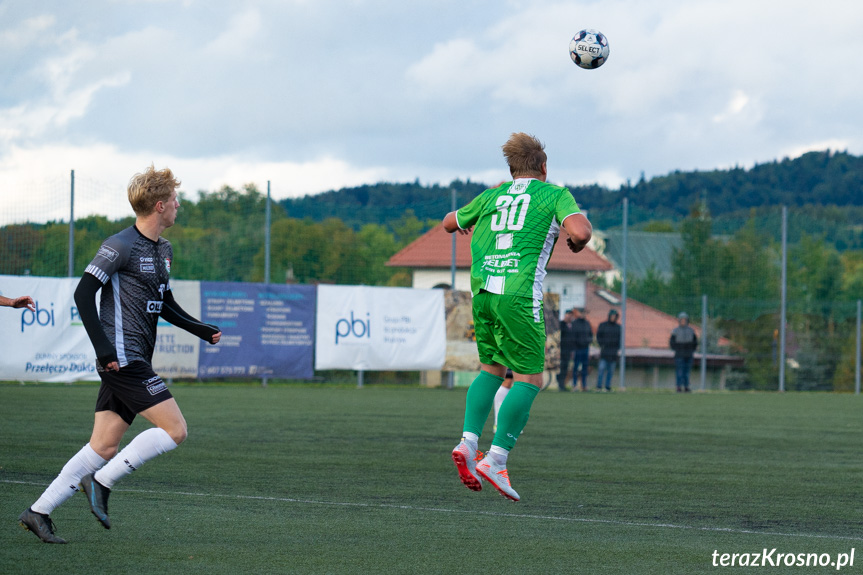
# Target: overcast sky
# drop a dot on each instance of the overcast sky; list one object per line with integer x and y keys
{"x": 316, "y": 95}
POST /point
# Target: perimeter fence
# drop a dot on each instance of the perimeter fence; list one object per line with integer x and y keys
{"x": 737, "y": 275}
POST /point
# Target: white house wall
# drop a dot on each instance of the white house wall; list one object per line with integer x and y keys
{"x": 570, "y": 286}
{"x": 428, "y": 279}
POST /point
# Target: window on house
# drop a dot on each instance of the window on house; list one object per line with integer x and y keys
{"x": 612, "y": 299}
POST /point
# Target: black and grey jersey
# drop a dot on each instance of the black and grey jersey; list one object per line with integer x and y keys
{"x": 134, "y": 272}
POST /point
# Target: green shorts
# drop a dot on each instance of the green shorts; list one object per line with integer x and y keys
{"x": 510, "y": 331}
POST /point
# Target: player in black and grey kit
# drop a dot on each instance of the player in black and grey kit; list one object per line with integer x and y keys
{"x": 132, "y": 269}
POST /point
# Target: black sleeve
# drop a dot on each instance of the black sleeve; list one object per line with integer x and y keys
{"x": 175, "y": 315}
{"x": 85, "y": 299}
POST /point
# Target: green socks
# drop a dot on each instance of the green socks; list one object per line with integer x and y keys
{"x": 480, "y": 396}
{"x": 513, "y": 414}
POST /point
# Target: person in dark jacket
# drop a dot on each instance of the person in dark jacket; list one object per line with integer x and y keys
{"x": 684, "y": 342}
{"x": 576, "y": 336}
{"x": 608, "y": 338}
{"x": 583, "y": 338}
{"x": 567, "y": 347}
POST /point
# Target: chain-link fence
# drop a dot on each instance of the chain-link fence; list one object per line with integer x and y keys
{"x": 731, "y": 266}
{"x": 734, "y": 283}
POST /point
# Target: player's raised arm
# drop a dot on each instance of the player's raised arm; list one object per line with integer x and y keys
{"x": 580, "y": 231}
{"x": 175, "y": 315}
{"x": 18, "y": 302}
{"x": 450, "y": 224}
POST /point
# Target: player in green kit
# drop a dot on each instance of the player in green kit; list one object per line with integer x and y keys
{"x": 515, "y": 227}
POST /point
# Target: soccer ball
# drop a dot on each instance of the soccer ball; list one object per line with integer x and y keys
{"x": 589, "y": 49}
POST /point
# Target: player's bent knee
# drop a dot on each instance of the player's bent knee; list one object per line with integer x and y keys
{"x": 105, "y": 452}
{"x": 178, "y": 434}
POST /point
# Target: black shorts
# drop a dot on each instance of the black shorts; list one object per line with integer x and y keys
{"x": 131, "y": 390}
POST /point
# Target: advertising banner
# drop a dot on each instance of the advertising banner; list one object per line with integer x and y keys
{"x": 380, "y": 328}
{"x": 49, "y": 344}
{"x": 176, "y": 351}
{"x": 267, "y": 330}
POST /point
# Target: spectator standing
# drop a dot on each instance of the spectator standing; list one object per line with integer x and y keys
{"x": 567, "y": 349}
{"x": 608, "y": 338}
{"x": 583, "y": 338}
{"x": 684, "y": 342}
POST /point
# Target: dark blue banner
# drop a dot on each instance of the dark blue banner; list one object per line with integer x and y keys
{"x": 267, "y": 330}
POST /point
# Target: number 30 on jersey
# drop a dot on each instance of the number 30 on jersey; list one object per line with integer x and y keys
{"x": 510, "y": 213}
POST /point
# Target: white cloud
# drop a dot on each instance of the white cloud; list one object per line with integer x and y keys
{"x": 35, "y": 182}
{"x": 243, "y": 31}
{"x": 29, "y": 31}
{"x": 287, "y": 179}
{"x": 798, "y": 150}
{"x": 736, "y": 105}
{"x": 326, "y": 94}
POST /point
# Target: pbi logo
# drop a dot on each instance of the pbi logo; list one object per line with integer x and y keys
{"x": 154, "y": 307}
{"x": 353, "y": 327}
{"x": 42, "y": 317}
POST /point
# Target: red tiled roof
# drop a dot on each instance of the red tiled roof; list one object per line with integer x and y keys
{"x": 434, "y": 250}
{"x": 646, "y": 327}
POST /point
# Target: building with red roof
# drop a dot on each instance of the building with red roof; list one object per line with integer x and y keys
{"x": 429, "y": 258}
{"x": 649, "y": 360}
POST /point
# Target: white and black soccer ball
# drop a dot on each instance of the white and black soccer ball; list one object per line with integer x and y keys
{"x": 589, "y": 49}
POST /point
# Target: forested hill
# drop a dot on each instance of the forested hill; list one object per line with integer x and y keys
{"x": 815, "y": 178}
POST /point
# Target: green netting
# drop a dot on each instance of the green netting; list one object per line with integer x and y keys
{"x": 740, "y": 272}
{"x": 734, "y": 259}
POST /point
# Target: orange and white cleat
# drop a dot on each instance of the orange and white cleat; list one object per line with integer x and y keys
{"x": 465, "y": 457}
{"x": 497, "y": 476}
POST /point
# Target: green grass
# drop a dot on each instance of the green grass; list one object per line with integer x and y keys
{"x": 316, "y": 479}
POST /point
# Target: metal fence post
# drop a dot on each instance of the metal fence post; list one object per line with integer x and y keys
{"x": 623, "y": 299}
{"x": 267, "y": 238}
{"x": 450, "y": 381}
{"x": 857, "y": 354}
{"x": 72, "y": 226}
{"x": 703, "y": 342}
{"x": 783, "y": 289}
{"x": 267, "y": 254}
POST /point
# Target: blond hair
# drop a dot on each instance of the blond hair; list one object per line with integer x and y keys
{"x": 524, "y": 154}
{"x": 148, "y": 188}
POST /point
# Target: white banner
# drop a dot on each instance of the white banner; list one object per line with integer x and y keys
{"x": 49, "y": 344}
{"x": 379, "y": 328}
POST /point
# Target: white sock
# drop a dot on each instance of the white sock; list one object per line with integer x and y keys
{"x": 498, "y": 454}
{"x": 498, "y": 400}
{"x": 146, "y": 445}
{"x": 471, "y": 439}
{"x": 66, "y": 484}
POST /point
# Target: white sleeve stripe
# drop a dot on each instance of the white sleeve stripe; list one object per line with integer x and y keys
{"x": 119, "y": 340}
{"x": 97, "y": 273}
{"x": 572, "y": 214}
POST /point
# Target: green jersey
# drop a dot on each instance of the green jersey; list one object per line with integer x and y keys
{"x": 515, "y": 228}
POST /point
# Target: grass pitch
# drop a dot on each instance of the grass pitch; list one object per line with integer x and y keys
{"x": 316, "y": 479}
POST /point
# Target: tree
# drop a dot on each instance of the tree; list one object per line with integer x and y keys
{"x": 18, "y": 246}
